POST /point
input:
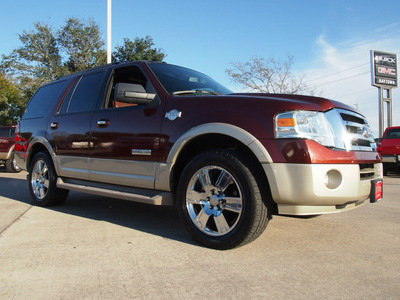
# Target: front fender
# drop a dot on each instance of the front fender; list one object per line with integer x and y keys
{"x": 164, "y": 169}
{"x": 225, "y": 129}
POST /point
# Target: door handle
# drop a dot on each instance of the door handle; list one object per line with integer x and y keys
{"x": 103, "y": 123}
{"x": 54, "y": 125}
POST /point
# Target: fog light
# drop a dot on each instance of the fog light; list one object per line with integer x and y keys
{"x": 333, "y": 179}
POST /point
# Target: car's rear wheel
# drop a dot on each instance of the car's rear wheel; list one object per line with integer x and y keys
{"x": 221, "y": 201}
{"x": 42, "y": 179}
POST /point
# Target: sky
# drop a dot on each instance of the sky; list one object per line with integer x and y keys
{"x": 330, "y": 39}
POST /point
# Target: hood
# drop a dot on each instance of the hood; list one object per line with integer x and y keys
{"x": 306, "y": 102}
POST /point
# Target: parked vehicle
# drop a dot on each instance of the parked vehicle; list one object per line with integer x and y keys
{"x": 163, "y": 135}
{"x": 389, "y": 149}
{"x": 7, "y": 142}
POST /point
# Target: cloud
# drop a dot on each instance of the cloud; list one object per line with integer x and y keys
{"x": 343, "y": 72}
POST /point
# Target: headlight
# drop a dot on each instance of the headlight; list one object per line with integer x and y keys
{"x": 305, "y": 124}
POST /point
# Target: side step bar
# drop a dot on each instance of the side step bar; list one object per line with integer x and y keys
{"x": 119, "y": 192}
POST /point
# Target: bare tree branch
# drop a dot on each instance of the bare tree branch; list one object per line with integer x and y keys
{"x": 268, "y": 76}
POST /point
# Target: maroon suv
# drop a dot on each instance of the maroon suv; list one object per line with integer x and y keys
{"x": 162, "y": 134}
{"x": 7, "y": 142}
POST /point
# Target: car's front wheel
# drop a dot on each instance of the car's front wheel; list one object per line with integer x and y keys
{"x": 42, "y": 179}
{"x": 221, "y": 200}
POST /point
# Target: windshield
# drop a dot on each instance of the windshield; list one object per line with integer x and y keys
{"x": 393, "y": 133}
{"x": 179, "y": 81}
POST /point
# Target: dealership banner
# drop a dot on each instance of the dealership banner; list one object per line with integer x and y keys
{"x": 384, "y": 69}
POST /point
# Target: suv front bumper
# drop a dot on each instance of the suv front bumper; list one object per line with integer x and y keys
{"x": 311, "y": 189}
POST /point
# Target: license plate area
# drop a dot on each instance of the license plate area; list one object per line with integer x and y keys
{"x": 376, "y": 190}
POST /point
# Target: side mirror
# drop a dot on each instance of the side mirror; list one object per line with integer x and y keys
{"x": 132, "y": 93}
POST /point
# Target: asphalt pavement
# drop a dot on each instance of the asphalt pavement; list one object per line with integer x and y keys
{"x": 101, "y": 248}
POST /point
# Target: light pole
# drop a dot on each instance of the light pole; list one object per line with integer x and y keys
{"x": 109, "y": 31}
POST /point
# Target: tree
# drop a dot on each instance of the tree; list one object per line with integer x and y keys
{"x": 268, "y": 76}
{"x": 48, "y": 54}
{"x": 38, "y": 60}
{"x": 140, "y": 49}
{"x": 11, "y": 102}
{"x": 82, "y": 45}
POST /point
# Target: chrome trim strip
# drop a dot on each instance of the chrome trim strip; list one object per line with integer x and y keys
{"x": 145, "y": 152}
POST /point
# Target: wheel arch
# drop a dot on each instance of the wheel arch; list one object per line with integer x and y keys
{"x": 214, "y": 136}
{"x": 37, "y": 145}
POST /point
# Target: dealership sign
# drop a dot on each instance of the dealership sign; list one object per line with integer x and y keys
{"x": 384, "y": 69}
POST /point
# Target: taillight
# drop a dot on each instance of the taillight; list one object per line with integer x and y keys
{"x": 379, "y": 146}
{"x": 18, "y": 144}
{"x": 17, "y": 132}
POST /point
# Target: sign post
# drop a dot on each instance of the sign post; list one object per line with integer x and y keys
{"x": 384, "y": 77}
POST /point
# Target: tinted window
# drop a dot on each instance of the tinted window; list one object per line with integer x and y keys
{"x": 131, "y": 74}
{"x": 86, "y": 93}
{"x": 68, "y": 97}
{"x": 393, "y": 133}
{"x": 43, "y": 99}
{"x": 177, "y": 79}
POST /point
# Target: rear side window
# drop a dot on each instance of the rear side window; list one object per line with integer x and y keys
{"x": 42, "y": 100}
{"x": 84, "y": 94}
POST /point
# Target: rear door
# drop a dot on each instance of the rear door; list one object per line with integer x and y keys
{"x": 69, "y": 128}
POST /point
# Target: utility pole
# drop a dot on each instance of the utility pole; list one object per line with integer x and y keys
{"x": 109, "y": 31}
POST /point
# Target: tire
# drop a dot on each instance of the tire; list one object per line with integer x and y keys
{"x": 385, "y": 169}
{"x": 11, "y": 165}
{"x": 42, "y": 179}
{"x": 220, "y": 200}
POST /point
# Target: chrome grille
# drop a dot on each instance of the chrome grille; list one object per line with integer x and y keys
{"x": 351, "y": 130}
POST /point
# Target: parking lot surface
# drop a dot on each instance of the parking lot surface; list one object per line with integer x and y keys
{"x": 102, "y": 248}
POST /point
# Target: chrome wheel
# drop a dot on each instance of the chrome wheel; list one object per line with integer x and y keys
{"x": 214, "y": 201}
{"x": 40, "y": 179}
{"x": 15, "y": 166}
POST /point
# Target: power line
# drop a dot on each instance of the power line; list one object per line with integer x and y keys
{"x": 343, "y": 78}
{"x": 318, "y": 78}
{"x": 339, "y": 72}
{"x": 354, "y": 93}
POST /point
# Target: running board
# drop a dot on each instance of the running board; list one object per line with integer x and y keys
{"x": 114, "y": 191}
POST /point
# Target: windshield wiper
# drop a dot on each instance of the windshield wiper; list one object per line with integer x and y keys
{"x": 195, "y": 92}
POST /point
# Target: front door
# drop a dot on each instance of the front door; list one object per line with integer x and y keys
{"x": 125, "y": 137}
